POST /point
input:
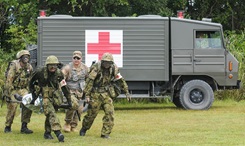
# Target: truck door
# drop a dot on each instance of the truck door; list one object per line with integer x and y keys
{"x": 209, "y": 53}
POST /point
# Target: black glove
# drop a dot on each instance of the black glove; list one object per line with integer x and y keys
{"x": 34, "y": 97}
{"x": 18, "y": 97}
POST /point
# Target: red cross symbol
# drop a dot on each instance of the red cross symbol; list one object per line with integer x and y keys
{"x": 103, "y": 45}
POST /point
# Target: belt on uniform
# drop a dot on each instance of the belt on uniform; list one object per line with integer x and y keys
{"x": 99, "y": 90}
{"x": 20, "y": 88}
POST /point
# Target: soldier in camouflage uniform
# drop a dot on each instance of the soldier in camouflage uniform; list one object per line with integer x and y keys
{"x": 99, "y": 91}
{"x": 75, "y": 73}
{"x": 18, "y": 76}
{"x": 51, "y": 81}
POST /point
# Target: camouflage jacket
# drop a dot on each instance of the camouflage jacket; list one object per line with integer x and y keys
{"x": 51, "y": 81}
{"x": 17, "y": 77}
{"x": 101, "y": 78}
{"x": 44, "y": 78}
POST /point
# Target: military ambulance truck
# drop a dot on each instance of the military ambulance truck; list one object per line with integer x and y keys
{"x": 184, "y": 59}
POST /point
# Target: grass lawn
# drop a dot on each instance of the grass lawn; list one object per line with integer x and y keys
{"x": 138, "y": 124}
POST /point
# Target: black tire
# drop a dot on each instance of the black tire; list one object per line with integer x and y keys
{"x": 196, "y": 95}
{"x": 176, "y": 100}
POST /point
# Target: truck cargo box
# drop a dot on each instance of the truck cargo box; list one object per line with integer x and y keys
{"x": 143, "y": 44}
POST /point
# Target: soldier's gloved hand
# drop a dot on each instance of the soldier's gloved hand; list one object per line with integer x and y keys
{"x": 128, "y": 97}
{"x": 87, "y": 99}
{"x": 18, "y": 97}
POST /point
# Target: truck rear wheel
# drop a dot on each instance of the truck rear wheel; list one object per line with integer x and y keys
{"x": 196, "y": 95}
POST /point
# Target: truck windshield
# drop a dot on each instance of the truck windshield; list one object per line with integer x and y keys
{"x": 208, "y": 40}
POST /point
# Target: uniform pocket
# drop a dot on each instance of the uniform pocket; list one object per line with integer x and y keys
{"x": 57, "y": 97}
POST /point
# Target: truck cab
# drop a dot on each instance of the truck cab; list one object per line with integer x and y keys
{"x": 201, "y": 55}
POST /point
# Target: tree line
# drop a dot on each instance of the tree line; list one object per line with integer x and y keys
{"x": 18, "y": 25}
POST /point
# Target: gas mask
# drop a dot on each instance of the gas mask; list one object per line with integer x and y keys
{"x": 107, "y": 64}
{"x": 25, "y": 58}
{"x": 52, "y": 67}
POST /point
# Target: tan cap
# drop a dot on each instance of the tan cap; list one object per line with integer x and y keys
{"x": 77, "y": 54}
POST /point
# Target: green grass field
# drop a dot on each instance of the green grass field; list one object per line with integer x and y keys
{"x": 152, "y": 124}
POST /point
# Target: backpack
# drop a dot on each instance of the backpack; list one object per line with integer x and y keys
{"x": 4, "y": 90}
{"x": 17, "y": 67}
{"x": 7, "y": 70}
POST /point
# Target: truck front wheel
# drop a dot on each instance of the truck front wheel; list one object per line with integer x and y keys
{"x": 196, "y": 95}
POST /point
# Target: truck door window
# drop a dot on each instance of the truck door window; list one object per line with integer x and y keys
{"x": 208, "y": 40}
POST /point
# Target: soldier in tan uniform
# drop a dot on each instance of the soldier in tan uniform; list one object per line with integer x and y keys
{"x": 18, "y": 75}
{"x": 75, "y": 73}
{"x": 101, "y": 87}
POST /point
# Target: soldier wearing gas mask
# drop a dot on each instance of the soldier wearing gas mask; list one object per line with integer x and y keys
{"x": 104, "y": 83}
{"x": 17, "y": 78}
{"x": 53, "y": 87}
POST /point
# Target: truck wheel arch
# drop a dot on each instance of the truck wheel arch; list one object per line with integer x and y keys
{"x": 196, "y": 95}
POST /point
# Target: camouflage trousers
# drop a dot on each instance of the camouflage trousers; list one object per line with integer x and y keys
{"x": 71, "y": 114}
{"x": 52, "y": 121}
{"x": 12, "y": 107}
{"x": 98, "y": 101}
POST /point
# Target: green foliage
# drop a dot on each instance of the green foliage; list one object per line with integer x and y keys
{"x": 106, "y": 7}
{"x": 143, "y": 100}
{"x": 20, "y": 37}
{"x": 4, "y": 59}
{"x": 19, "y": 25}
{"x": 146, "y": 7}
{"x": 236, "y": 44}
{"x": 230, "y": 13}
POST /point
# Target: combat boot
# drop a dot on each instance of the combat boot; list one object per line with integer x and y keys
{"x": 105, "y": 136}
{"x": 74, "y": 129}
{"x": 83, "y": 131}
{"x": 59, "y": 135}
{"x": 67, "y": 127}
{"x": 47, "y": 135}
{"x": 24, "y": 129}
{"x": 7, "y": 129}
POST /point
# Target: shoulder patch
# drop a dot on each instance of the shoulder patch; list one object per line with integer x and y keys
{"x": 63, "y": 83}
{"x": 118, "y": 76}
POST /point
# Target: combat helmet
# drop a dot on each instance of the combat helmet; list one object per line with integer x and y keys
{"x": 107, "y": 57}
{"x": 52, "y": 60}
{"x": 22, "y": 52}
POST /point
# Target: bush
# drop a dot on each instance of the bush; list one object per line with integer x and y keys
{"x": 5, "y": 58}
{"x": 236, "y": 45}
